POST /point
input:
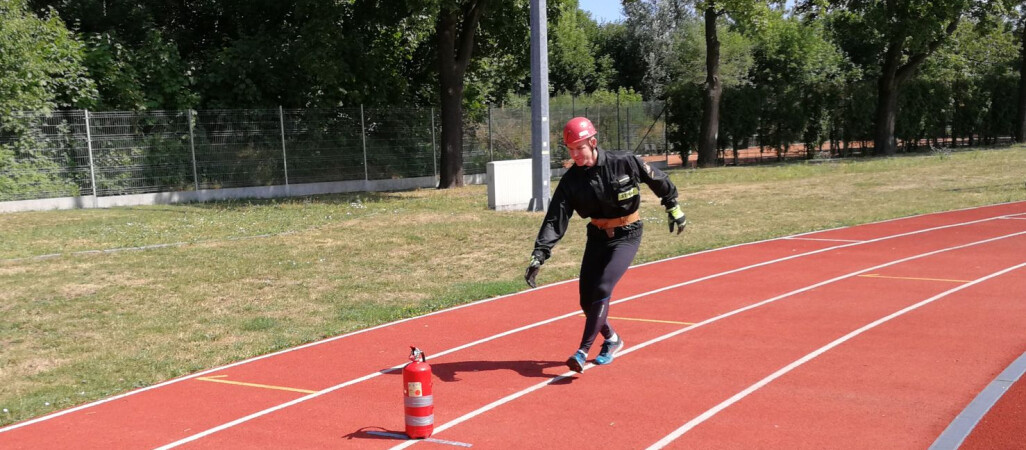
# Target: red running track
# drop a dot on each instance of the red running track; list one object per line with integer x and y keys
{"x": 874, "y": 336}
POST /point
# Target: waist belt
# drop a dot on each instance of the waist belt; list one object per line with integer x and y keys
{"x": 610, "y": 224}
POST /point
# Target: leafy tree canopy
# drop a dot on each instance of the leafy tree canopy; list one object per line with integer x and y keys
{"x": 40, "y": 62}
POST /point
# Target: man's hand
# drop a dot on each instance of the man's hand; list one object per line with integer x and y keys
{"x": 676, "y": 217}
{"x": 537, "y": 259}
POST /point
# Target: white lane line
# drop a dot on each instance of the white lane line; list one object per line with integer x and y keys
{"x": 258, "y": 358}
{"x": 783, "y": 371}
{"x": 480, "y": 302}
{"x": 664, "y": 337}
{"x": 819, "y": 239}
{"x": 475, "y": 303}
{"x": 526, "y": 327}
{"x": 384, "y": 325}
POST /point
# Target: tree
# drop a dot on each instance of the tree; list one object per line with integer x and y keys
{"x": 686, "y": 69}
{"x": 663, "y": 17}
{"x": 620, "y": 55}
{"x": 796, "y": 70}
{"x": 963, "y": 88}
{"x": 652, "y": 30}
{"x": 132, "y": 60}
{"x": 573, "y": 66}
{"x": 40, "y": 70}
{"x": 251, "y": 53}
{"x": 669, "y": 15}
{"x": 454, "y": 30}
{"x": 463, "y": 28}
{"x": 40, "y": 62}
{"x": 713, "y": 89}
{"x": 1018, "y": 16}
{"x": 897, "y": 36}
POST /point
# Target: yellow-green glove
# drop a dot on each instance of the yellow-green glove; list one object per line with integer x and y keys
{"x": 676, "y": 217}
{"x": 537, "y": 259}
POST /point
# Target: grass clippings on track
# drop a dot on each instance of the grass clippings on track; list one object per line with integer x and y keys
{"x": 245, "y": 278}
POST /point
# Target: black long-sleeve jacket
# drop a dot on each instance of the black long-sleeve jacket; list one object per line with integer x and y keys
{"x": 607, "y": 190}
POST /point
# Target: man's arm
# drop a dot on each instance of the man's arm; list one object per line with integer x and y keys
{"x": 658, "y": 181}
{"x": 552, "y": 229}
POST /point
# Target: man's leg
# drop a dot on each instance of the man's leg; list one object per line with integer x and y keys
{"x": 604, "y": 263}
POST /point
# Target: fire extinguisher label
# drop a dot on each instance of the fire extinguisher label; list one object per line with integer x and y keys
{"x": 414, "y": 389}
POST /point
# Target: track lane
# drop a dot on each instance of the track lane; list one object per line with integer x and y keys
{"x": 991, "y": 227}
{"x": 658, "y": 398}
{"x": 895, "y": 386}
{"x": 351, "y": 358}
{"x": 278, "y": 413}
{"x": 493, "y": 385}
{"x": 309, "y": 362}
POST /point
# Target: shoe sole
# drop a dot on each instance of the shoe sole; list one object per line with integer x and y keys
{"x": 575, "y": 365}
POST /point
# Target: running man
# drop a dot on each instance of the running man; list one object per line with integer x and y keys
{"x": 605, "y": 187}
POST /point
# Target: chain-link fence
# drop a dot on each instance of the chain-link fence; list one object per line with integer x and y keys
{"x": 637, "y": 127}
{"x": 75, "y": 153}
{"x": 44, "y": 156}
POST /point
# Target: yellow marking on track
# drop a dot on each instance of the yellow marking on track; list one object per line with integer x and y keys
{"x": 647, "y": 320}
{"x": 873, "y": 275}
{"x": 216, "y": 379}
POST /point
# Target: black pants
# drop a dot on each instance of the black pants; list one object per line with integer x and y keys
{"x": 604, "y": 263}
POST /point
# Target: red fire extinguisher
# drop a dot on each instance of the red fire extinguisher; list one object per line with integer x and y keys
{"x": 417, "y": 397}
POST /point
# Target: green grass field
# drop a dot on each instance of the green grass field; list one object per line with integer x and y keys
{"x": 249, "y": 277}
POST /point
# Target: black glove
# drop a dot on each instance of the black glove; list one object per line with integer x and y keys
{"x": 537, "y": 259}
{"x": 676, "y": 217}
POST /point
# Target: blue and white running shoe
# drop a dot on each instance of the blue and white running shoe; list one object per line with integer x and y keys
{"x": 609, "y": 349}
{"x": 576, "y": 361}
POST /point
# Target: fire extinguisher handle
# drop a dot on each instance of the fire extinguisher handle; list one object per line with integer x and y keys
{"x": 415, "y": 352}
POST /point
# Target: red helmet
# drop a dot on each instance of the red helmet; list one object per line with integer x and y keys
{"x": 577, "y": 130}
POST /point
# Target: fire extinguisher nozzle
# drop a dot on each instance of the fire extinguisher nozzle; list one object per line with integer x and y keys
{"x": 416, "y": 353}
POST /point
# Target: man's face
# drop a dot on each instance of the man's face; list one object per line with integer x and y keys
{"x": 583, "y": 153}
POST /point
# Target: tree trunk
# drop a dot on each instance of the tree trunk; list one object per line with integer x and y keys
{"x": 713, "y": 91}
{"x": 891, "y": 78}
{"x": 887, "y": 103}
{"x": 1020, "y": 123}
{"x": 455, "y": 45}
{"x": 451, "y": 164}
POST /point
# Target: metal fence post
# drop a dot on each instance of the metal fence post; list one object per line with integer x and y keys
{"x": 666, "y": 143}
{"x": 628, "y": 137}
{"x": 284, "y": 155}
{"x": 192, "y": 148}
{"x": 92, "y": 166}
{"x": 491, "y": 154}
{"x": 618, "y": 132}
{"x": 434, "y": 146}
{"x": 363, "y": 133}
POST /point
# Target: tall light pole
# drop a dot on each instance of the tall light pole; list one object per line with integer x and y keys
{"x": 539, "y": 108}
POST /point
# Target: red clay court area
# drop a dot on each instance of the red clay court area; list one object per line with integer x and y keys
{"x": 908, "y": 333}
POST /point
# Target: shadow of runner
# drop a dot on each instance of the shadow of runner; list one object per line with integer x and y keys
{"x": 376, "y": 433}
{"x": 529, "y": 369}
